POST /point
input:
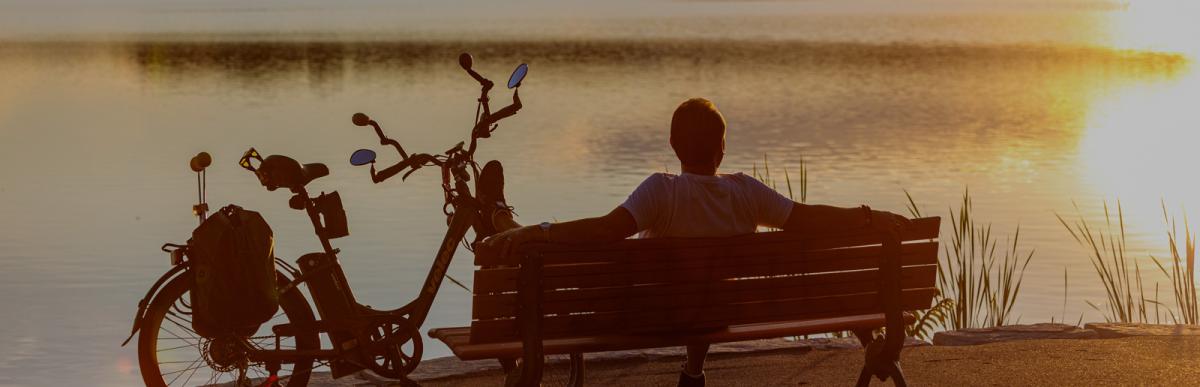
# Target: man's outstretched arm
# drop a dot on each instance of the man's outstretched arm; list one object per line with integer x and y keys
{"x": 617, "y": 225}
{"x": 815, "y": 218}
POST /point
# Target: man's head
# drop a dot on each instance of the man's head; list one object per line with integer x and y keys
{"x": 698, "y": 135}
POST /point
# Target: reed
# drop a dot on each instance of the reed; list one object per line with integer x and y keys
{"x": 984, "y": 284}
{"x": 765, "y": 177}
{"x": 1183, "y": 270}
{"x": 1119, "y": 272}
{"x": 977, "y": 287}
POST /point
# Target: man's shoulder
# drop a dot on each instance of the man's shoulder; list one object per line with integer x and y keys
{"x": 661, "y": 177}
{"x": 738, "y": 177}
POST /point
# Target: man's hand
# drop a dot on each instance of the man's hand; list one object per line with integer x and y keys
{"x": 887, "y": 222}
{"x": 511, "y": 238}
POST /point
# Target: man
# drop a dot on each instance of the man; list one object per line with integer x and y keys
{"x": 697, "y": 203}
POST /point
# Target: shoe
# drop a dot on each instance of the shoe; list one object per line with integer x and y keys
{"x": 490, "y": 186}
{"x": 686, "y": 380}
{"x": 489, "y": 191}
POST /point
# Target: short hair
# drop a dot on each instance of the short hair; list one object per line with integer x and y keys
{"x": 697, "y": 131}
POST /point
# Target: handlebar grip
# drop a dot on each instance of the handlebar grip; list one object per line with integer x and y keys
{"x": 507, "y": 111}
{"x": 415, "y": 161}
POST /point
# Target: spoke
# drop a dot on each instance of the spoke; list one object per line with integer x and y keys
{"x": 180, "y": 372}
{"x": 176, "y": 362}
{"x": 172, "y": 348}
{"x": 196, "y": 344}
{"x": 212, "y": 378}
{"x": 184, "y": 326}
{"x": 189, "y": 378}
{"x": 259, "y": 342}
{"x": 178, "y": 335}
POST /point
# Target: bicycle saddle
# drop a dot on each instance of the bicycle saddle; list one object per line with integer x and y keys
{"x": 282, "y": 171}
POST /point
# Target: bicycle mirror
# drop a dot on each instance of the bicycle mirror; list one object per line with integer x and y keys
{"x": 360, "y": 119}
{"x": 362, "y": 157}
{"x": 518, "y": 75}
{"x": 465, "y": 61}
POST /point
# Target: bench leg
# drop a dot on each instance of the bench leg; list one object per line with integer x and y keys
{"x": 507, "y": 364}
{"x": 576, "y": 379}
{"x": 878, "y": 364}
{"x": 897, "y": 374}
{"x": 865, "y": 337}
{"x": 864, "y": 377}
{"x": 526, "y": 374}
{"x": 894, "y": 371}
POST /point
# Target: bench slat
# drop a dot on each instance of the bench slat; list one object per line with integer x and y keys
{"x": 458, "y": 338}
{"x": 682, "y": 320}
{"x": 631, "y": 249}
{"x": 668, "y": 295}
{"x": 651, "y": 270}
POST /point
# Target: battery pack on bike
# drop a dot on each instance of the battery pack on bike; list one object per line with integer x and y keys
{"x": 232, "y": 255}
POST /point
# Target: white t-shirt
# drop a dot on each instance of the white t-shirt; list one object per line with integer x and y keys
{"x": 697, "y": 206}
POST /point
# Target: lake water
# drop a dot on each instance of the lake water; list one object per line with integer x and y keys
{"x": 1031, "y": 111}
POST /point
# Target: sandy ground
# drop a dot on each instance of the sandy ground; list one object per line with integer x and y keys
{"x": 1169, "y": 360}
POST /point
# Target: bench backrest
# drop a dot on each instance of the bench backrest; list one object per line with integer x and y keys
{"x": 666, "y": 286}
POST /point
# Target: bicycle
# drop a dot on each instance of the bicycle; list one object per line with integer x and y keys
{"x": 285, "y": 349}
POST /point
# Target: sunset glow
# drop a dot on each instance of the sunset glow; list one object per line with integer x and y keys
{"x": 846, "y": 120}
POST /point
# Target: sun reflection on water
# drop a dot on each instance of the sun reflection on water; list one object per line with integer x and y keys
{"x": 1167, "y": 26}
{"x": 1140, "y": 137}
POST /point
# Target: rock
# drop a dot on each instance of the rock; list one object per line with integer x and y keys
{"x": 1116, "y": 330}
{"x": 1012, "y": 332}
{"x": 449, "y": 366}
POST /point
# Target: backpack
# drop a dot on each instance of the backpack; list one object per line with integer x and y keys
{"x": 232, "y": 257}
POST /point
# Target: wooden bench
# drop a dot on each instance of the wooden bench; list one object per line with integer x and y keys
{"x": 649, "y": 293}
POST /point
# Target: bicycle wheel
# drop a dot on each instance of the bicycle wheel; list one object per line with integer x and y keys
{"x": 170, "y": 353}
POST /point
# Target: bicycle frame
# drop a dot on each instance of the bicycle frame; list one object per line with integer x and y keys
{"x": 355, "y": 329}
{"x": 342, "y": 323}
{"x": 342, "y": 318}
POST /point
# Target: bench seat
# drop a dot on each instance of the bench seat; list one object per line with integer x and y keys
{"x": 459, "y": 338}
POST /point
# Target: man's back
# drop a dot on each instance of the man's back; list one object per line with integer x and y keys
{"x": 698, "y": 206}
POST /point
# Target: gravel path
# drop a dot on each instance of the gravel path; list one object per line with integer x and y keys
{"x": 1161, "y": 360}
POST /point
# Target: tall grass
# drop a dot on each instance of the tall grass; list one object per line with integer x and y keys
{"x": 977, "y": 287}
{"x": 983, "y": 283}
{"x": 1119, "y": 272}
{"x": 765, "y": 177}
{"x": 1183, "y": 270}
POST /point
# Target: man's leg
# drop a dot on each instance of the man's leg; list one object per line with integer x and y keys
{"x": 693, "y": 369}
{"x": 497, "y": 215}
{"x": 695, "y": 359}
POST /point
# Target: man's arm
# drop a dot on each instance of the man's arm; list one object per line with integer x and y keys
{"x": 814, "y": 218}
{"x": 617, "y": 225}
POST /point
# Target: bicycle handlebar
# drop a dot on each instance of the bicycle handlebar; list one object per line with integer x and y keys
{"x": 416, "y": 161}
{"x": 361, "y": 119}
{"x": 466, "y": 61}
{"x": 484, "y": 125}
